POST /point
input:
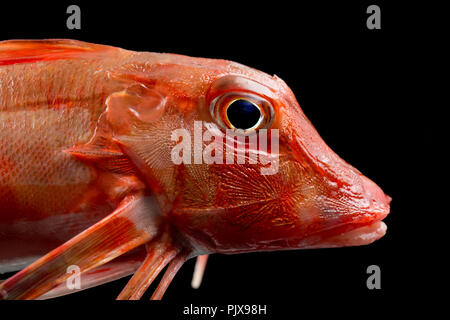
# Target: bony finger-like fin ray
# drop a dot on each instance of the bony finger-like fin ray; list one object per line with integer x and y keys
{"x": 199, "y": 271}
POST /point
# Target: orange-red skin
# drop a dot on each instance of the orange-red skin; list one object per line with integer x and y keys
{"x": 61, "y": 99}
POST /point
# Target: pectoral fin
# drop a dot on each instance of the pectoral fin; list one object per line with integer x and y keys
{"x": 118, "y": 268}
{"x": 132, "y": 224}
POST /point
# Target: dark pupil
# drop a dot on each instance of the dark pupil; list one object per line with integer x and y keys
{"x": 243, "y": 114}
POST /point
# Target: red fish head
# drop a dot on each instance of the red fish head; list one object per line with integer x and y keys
{"x": 242, "y": 168}
{"x": 197, "y": 156}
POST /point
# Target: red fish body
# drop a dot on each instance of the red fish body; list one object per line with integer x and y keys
{"x": 44, "y": 192}
{"x": 87, "y": 171}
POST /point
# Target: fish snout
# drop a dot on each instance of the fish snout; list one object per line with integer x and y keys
{"x": 354, "y": 215}
{"x": 367, "y": 224}
{"x": 361, "y": 200}
{"x": 379, "y": 202}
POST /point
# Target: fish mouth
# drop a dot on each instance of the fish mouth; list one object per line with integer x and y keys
{"x": 361, "y": 236}
{"x": 365, "y": 227}
{"x": 368, "y": 231}
{"x": 357, "y": 237}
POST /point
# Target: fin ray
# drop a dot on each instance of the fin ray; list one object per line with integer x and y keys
{"x": 26, "y": 51}
{"x": 159, "y": 254}
{"x": 170, "y": 273}
{"x": 199, "y": 271}
{"x": 118, "y": 268}
{"x": 132, "y": 224}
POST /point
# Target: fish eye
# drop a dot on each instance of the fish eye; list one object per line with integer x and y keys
{"x": 243, "y": 114}
{"x": 241, "y": 111}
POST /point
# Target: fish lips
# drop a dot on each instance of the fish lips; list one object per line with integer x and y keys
{"x": 351, "y": 235}
{"x": 365, "y": 228}
{"x": 355, "y": 221}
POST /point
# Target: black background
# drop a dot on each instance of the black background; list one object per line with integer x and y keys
{"x": 354, "y": 84}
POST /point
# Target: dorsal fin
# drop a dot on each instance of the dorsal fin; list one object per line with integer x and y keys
{"x": 25, "y": 51}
